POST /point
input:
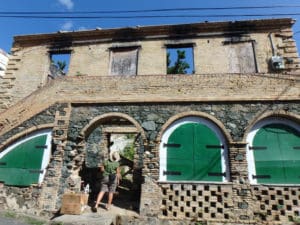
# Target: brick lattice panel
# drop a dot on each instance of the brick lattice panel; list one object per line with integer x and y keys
{"x": 276, "y": 203}
{"x": 196, "y": 201}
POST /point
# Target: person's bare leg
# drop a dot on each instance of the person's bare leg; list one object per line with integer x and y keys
{"x": 110, "y": 198}
{"x": 99, "y": 198}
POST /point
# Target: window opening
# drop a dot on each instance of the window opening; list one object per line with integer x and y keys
{"x": 123, "y": 61}
{"x": 180, "y": 60}
{"x": 241, "y": 57}
{"x": 59, "y": 64}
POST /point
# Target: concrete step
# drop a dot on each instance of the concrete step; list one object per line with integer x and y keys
{"x": 102, "y": 216}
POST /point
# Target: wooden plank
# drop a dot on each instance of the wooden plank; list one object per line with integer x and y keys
{"x": 73, "y": 203}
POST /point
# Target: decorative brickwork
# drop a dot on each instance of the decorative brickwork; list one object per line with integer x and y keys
{"x": 275, "y": 203}
{"x": 197, "y": 201}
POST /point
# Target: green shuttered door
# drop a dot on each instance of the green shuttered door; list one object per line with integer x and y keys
{"x": 277, "y": 156}
{"x": 21, "y": 166}
{"x": 193, "y": 153}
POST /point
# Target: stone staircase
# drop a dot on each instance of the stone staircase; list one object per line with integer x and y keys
{"x": 196, "y": 88}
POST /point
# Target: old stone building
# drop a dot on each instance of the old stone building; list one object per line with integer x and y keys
{"x": 220, "y": 144}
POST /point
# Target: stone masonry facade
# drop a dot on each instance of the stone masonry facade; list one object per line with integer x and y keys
{"x": 82, "y": 110}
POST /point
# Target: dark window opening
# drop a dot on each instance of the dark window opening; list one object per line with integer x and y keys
{"x": 180, "y": 60}
{"x": 59, "y": 65}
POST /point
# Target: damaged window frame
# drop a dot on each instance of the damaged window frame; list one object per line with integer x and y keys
{"x": 182, "y": 45}
{"x": 243, "y": 38}
{"x": 124, "y": 48}
{"x": 59, "y": 52}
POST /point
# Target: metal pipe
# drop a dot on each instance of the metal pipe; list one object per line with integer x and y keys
{"x": 272, "y": 44}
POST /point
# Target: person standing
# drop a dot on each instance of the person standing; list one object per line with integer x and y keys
{"x": 110, "y": 180}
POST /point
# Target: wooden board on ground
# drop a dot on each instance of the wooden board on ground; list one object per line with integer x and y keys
{"x": 73, "y": 203}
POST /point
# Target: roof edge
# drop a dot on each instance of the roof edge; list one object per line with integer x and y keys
{"x": 140, "y": 32}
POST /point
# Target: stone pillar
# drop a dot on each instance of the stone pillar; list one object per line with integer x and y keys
{"x": 50, "y": 196}
{"x": 151, "y": 198}
{"x": 242, "y": 197}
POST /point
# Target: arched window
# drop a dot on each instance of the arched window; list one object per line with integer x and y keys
{"x": 273, "y": 152}
{"x": 24, "y": 162}
{"x": 193, "y": 149}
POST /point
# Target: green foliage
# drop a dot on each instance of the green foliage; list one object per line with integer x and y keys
{"x": 10, "y": 215}
{"x": 33, "y": 221}
{"x": 296, "y": 220}
{"x": 180, "y": 65}
{"x": 57, "y": 223}
{"x": 129, "y": 152}
{"x": 78, "y": 73}
{"x": 61, "y": 65}
{"x": 22, "y": 218}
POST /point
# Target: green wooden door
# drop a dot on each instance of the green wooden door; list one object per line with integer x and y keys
{"x": 277, "y": 156}
{"x": 193, "y": 153}
{"x": 21, "y": 166}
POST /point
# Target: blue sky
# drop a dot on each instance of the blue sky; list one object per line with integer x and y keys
{"x": 19, "y": 26}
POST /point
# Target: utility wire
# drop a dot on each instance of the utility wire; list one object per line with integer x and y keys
{"x": 155, "y": 10}
{"x": 151, "y": 16}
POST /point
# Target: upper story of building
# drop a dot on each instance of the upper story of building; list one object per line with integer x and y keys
{"x": 211, "y": 48}
{"x": 255, "y": 46}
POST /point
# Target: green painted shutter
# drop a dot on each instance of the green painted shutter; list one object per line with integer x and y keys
{"x": 278, "y": 162}
{"x": 180, "y": 159}
{"x": 193, "y": 153}
{"x": 21, "y": 166}
{"x": 288, "y": 139}
{"x": 207, "y": 154}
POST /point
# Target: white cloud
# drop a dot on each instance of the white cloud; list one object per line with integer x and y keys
{"x": 82, "y": 28}
{"x": 69, "y": 4}
{"x": 67, "y": 25}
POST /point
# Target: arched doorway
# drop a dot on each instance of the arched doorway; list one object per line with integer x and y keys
{"x": 193, "y": 149}
{"x": 273, "y": 152}
{"x": 115, "y": 132}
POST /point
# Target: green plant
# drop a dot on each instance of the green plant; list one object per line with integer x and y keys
{"x": 296, "y": 220}
{"x": 57, "y": 223}
{"x": 129, "y": 152}
{"x": 61, "y": 65}
{"x": 180, "y": 64}
{"x": 33, "y": 221}
{"x": 78, "y": 73}
{"x": 10, "y": 215}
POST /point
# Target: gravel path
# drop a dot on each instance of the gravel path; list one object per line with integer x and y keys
{"x": 9, "y": 221}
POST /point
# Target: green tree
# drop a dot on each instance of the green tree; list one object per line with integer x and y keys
{"x": 180, "y": 65}
{"x": 61, "y": 65}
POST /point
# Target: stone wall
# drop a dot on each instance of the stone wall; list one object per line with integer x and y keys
{"x": 235, "y": 201}
{"x": 231, "y": 202}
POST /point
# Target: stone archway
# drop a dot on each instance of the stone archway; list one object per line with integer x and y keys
{"x": 98, "y": 136}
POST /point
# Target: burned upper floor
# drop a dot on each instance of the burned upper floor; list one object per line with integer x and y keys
{"x": 240, "y": 47}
